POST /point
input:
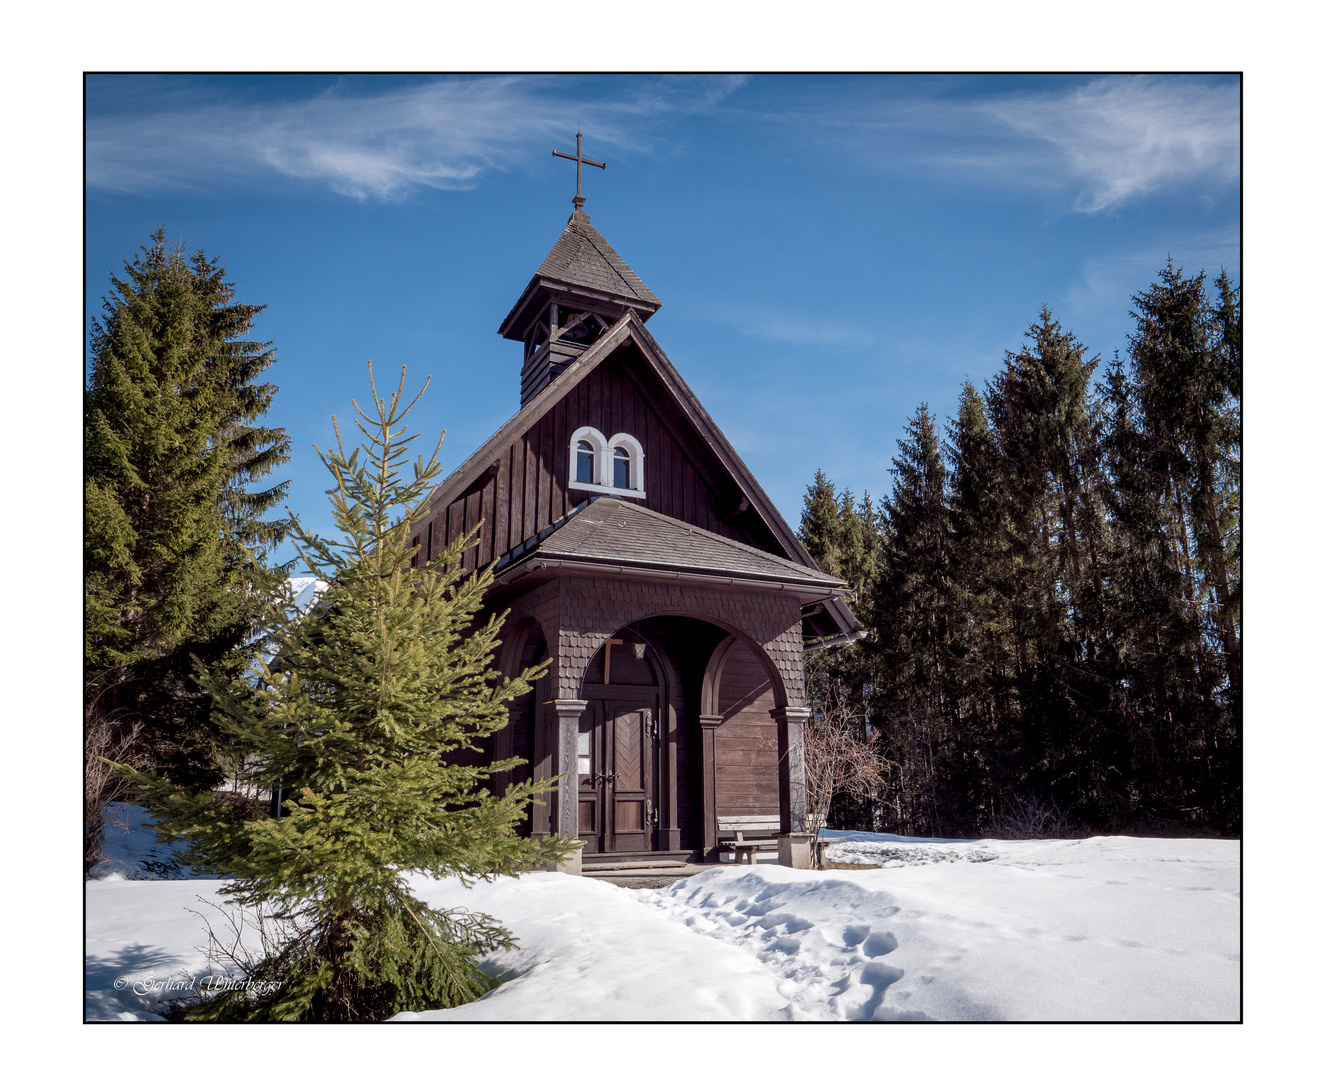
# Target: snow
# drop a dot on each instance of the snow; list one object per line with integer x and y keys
{"x": 132, "y": 851}
{"x": 305, "y": 592}
{"x": 1107, "y": 928}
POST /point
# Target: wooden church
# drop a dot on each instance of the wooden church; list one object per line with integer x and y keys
{"x": 636, "y": 551}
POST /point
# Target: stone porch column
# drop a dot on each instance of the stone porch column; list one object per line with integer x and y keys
{"x": 795, "y": 844}
{"x": 564, "y": 754}
{"x": 710, "y": 841}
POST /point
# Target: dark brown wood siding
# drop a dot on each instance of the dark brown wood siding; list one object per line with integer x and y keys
{"x": 746, "y": 755}
{"x": 525, "y": 488}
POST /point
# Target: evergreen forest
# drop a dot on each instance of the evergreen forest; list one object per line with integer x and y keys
{"x": 1051, "y": 590}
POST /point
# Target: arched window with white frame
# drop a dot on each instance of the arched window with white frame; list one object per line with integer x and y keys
{"x": 584, "y": 466}
{"x": 629, "y": 465}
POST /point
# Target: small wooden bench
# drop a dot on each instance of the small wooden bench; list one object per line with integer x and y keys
{"x": 751, "y": 833}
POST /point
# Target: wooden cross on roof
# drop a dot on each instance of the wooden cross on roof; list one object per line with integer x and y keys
{"x": 579, "y": 202}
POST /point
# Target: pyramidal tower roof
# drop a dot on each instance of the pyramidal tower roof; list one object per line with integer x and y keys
{"x": 582, "y": 269}
{"x": 583, "y": 257}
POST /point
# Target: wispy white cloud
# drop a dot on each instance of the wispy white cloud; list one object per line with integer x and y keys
{"x": 1123, "y": 137}
{"x": 1099, "y": 142}
{"x": 439, "y": 134}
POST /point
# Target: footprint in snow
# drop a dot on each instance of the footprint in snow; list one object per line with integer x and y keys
{"x": 862, "y": 992}
{"x": 825, "y": 971}
{"x": 790, "y": 923}
{"x": 879, "y": 943}
{"x": 851, "y": 935}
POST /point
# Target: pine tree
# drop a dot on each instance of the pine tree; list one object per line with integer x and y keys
{"x": 842, "y": 537}
{"x": 1152, "y": 630}
{"x": 912, "y": 624}
{"x": 1174, "y": 451}
{"x": 983, "y": 668}
{"x": 372, "y": 703}
{"x": 1186, "y": 356}
{"x": 820, "y": 527}
{"x": 1043, "y": 418}
{"x": 860, "y": 544}
{"x": 174, "y": 536}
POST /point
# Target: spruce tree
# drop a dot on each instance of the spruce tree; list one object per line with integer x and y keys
{"x": 912, "y": 625}
{"x": 820, "y": 528}
{"x": 983, "y": 652}
{"x": 175, "y": 535}
{"x": 361, "y": 721}
{"x": 1153, "y": 632}
{"x": 1186, "y": 356}
{"x": 860, "y": 544}
{"x": 1043, "y": 416}
{"x": 842, "y": 537}
{"x": 1174, "y": 450}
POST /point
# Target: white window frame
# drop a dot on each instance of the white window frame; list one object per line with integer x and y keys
{"x": 636, "y": 462}
{"x": 604, "y": 463}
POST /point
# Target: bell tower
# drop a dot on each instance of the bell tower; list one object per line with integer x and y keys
{"x": 581, "y": 289}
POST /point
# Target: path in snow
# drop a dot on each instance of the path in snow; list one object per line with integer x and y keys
{"x": 829, "y": 970}
{"x": 1108, "y": 928}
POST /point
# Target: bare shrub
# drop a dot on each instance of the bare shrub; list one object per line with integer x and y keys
{"x": 838, "y": 757}
{"x": 107, "y": 739}
{"x": 1033, "y": 817}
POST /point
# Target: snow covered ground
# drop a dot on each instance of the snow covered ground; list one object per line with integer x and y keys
{"x": 1109, "y": 928}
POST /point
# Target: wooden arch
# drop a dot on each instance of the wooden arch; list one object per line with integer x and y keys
{"x": 711, "y": 679}
{"x": 527, "y": 722}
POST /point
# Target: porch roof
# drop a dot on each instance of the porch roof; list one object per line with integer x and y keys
{"x": 607, "y": 532}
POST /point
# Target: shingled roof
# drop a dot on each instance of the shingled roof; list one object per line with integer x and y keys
{"x": 622, "y": 533}
{"x": 583, "y": 257}
{"x": 583, "y": 262}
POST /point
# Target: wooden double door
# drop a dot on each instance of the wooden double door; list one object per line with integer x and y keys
{"x": 617, "y": 766}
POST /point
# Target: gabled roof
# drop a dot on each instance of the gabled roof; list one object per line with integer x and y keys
{"x": 581, "y": 263}
{"x": 628, "y": 330}
{"x": 610, "y": 530}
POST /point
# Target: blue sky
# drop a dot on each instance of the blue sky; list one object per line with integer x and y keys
{"x": 830, "y": 250}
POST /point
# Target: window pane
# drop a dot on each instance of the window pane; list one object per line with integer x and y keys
{"x": 585, "y": 463}
{"x": 621, "y": 468}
